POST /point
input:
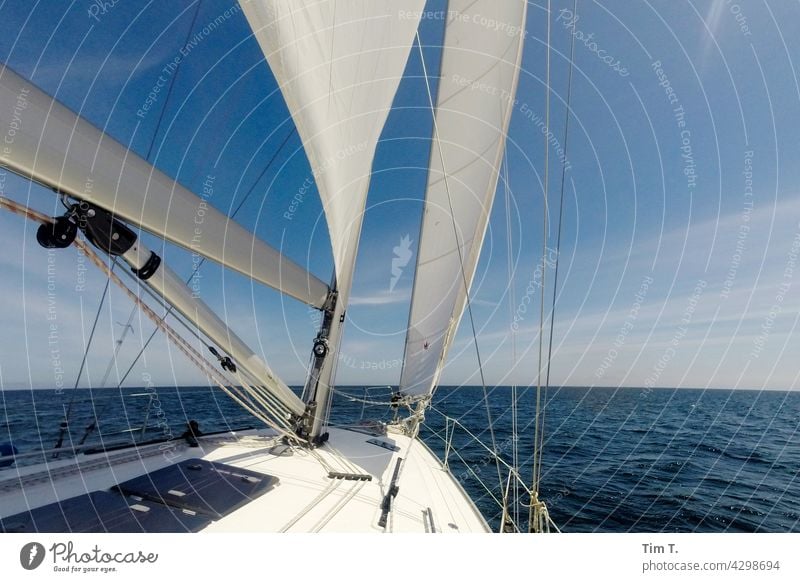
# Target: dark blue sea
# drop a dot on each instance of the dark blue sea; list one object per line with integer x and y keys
{"x": 614, "y": 460}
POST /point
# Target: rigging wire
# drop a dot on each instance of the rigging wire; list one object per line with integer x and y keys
{"x": 91, "y": 335}
{"x": 183, "y": 345}
{"x": 539, "y": 518}
{"x": 267, "y": 400}
{"x": 511, "y": 306}
{"x": 545, "y": 226}
{"x": 127, "y": 327}
{"x": 132, "y": 314}
{"x": 568, "y": 114}
{"x": 194, "y": 356}
{"x": 141, "y": 352}
{"x": 461, "y": 261}
{"x": 171, "y": 85}
{"x": 64, "y": 428}
{"x": 170, "y": 309}
{"x": 262, "y": 174}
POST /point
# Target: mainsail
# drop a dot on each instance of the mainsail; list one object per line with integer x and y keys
{"x": 480, "y": 68}
{"x": 338, "y": 65}
{"x": 60, "y": 149}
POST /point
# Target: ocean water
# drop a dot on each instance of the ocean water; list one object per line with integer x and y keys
{"x": 614, "y": 460}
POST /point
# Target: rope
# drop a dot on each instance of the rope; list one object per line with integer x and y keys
{"x": 461, "y": 261}
{"x": 255, "y": 391}
{"x": 93, "y": 425}
{"x": 180, "y": 318}
{"x": 190, "y": 352}
{"x": 170, "y": 308}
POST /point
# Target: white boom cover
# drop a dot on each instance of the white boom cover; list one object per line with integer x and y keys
{"x": 480, "y": 68}
{"x": 338, "y": 64}
{"x": 60, "y": 149}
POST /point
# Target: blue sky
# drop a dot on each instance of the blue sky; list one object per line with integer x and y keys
{"x": 679, "y": 243}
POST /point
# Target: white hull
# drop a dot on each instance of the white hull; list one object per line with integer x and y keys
{"x": 305, "y": 498}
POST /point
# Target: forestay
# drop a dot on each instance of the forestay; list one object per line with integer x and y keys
{"x": 480, "y": 67}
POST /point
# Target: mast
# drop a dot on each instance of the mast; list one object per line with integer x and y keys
{"x": 326, "y": 351}
{"x": 324, "y": 355}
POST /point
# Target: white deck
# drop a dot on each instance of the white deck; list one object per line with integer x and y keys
{"x": 305, "y": 498}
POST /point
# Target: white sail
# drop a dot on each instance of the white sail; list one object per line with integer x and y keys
{"x": 479, "y": 72}
{"x": 54, "y": 146}
{"x": 338, "y": 64}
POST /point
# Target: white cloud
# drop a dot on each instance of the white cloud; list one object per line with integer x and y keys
{"x": 384, "y": 297}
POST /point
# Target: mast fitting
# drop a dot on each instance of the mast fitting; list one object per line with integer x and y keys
{"x": 224, "y": 361}
{"x": 149, "y": 268}
{"x": 58, "y": 234}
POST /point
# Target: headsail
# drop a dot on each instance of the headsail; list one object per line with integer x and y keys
{"x": 480, "y": 68}
{"x": 60, "y": 149}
